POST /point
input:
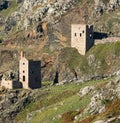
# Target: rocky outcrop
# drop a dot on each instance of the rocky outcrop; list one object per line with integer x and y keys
{"x": 12, "y": 102}
{"x": 106, "y": 94}
{"x": 101, "y": 6}
{"x": 85, "y": 90}
{"x": 110, "y": 120}
{"x": 34, "y": 11}
{"x": 3, "y": 4}
{"x": 101, "y": 97}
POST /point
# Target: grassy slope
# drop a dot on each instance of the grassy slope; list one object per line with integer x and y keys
{"x": 105, "y": 54}
{"x": 51, "y": 101}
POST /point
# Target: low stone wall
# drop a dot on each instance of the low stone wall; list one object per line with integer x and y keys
{"x": 107, "y": 40}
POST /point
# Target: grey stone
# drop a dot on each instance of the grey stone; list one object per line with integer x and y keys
{"x": 111, "y": 120}
{"x": 86, "y": 90}
{"x": 99, "y": 121}
{"x": 91, "y": 59}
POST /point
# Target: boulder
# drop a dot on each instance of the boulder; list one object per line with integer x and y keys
{"x": 118, "y": 90}
{"x": 85, "y": 90}
{"x": 99, "y": 121}
{"x": 91, "y": 59}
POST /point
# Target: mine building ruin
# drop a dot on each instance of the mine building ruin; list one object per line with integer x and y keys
{"x": 29, "y": 73}
{"x": 82, "y": 37}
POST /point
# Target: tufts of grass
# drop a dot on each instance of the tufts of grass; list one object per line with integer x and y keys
{"x": 88, "y": 119}
{"x": 9, "y": 10}
{"x": 69, "y": 116}
{"x": 103, "y": 54}
{"x": 113, "y": 108}
{"x": 63, "y": 98}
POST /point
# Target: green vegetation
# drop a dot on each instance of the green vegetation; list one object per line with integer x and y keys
{"x": 9, "y": 10}
{"x": 106, "y": 56}
{"x": 71, "y": 56}
{"x": 60, "y": 103}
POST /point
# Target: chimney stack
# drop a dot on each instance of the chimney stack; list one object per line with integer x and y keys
{"x": 22, "y": 54}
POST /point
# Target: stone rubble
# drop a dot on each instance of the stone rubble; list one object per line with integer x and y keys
{"x": 100, "y": 97}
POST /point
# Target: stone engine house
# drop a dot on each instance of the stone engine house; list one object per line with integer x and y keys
{"x": 29, "y": 73}
{"x": 82, "y": 37}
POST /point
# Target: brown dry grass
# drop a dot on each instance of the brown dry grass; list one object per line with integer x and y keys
{"x": 68, "y": 117}
{"x": 88, "y": 119}
{"x": 112, "y": 109}
{"x": 62, "y": 38}
{"x": 36, "y": 7}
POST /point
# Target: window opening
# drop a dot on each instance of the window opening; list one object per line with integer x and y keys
{"x": 75, "y": 34}
{"x": 90, "y": 35}
{"x": 23, "y": 78}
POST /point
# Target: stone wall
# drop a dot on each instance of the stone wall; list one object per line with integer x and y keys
{"x": 107, "y": 40}
{"x": 34, "y": 74}
{"x": 82, "y": 37}
{"x": 29, "y": 73}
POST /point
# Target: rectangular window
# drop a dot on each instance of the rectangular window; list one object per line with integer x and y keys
{"x": 75, "y": 34}
{"x": 80, "y": 34}
{"x": 23, "y": 78}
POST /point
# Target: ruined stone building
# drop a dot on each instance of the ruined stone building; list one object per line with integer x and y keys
{"x": 29, "y": 73}
{"x": 82, "y": 37}
{"x": 10, "y": 83}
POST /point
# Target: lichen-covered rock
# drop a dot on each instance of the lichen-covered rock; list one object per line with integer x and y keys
{"x": 11, "y": 103}
{"x": 85, "y": 90}
{"x": 100, "y": 98}
{"x": 91, "y": 59}
{"x": 101, "y": 6}
{"x": 99, "y": 121}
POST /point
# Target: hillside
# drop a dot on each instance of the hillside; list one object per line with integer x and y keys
{"x": 66, "y": 101}
{"x": 75, "y": 88}
{"x": 79, "y": 101}
{"x": 22, "y": 30}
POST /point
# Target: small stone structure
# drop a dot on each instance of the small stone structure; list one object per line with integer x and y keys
{"x": 9, "y": 80}
{"x": 29, "y": 73}
{"x": 82, "y": 37}
{"x": 10, "y": 84}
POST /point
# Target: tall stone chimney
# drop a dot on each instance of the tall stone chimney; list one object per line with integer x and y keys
{"x": 22, "y": 54}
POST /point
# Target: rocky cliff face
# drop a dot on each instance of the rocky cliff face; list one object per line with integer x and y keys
{"x": 45, "y": 26}
{"x": 31, "y": 13}
{"x": 14, "y": 101}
